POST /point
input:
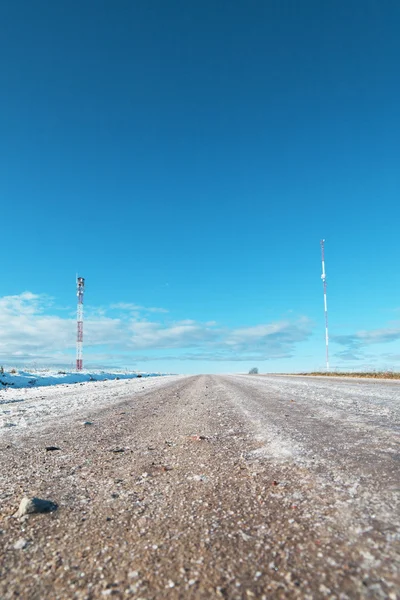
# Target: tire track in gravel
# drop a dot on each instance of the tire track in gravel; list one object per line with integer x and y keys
{"x": 357, "y": 442}
{"x": 171, "y": 495}
{"x": 363, "y": 449}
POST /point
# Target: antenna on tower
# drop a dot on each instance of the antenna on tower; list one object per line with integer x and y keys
{"x": 80, "y": 288}
{"x": 323, "y": 277}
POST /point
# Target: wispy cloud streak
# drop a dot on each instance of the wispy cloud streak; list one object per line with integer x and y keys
{"x": 28, "y": 330}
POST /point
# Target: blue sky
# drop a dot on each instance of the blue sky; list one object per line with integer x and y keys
{"x": 186, "y": 158}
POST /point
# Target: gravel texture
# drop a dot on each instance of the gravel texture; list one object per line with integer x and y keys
{"x": 208, "y": 487}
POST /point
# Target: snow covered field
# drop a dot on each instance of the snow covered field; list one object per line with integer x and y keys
{"x": 44, "y": 377}
{"x": 34, "y": 407}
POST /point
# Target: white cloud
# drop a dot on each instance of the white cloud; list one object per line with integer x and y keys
{"x": 28, "y": 331}
{"x": 181, "y": 334}
{"x": 365, "y": 338}
{"x": 23, "y": 304}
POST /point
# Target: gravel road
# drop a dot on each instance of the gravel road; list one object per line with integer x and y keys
{"x": 207, "y": 487}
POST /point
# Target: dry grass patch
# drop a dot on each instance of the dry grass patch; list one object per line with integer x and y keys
{"x": 365, "y": 374}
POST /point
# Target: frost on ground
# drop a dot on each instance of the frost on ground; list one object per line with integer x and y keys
{"x": 21, "y": 409}
{"x": 347, "y": 432}
{"x": 361, "y": 398}
{"x": 206, "y": 487}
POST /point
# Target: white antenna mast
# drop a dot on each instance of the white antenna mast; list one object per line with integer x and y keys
{"x": 323, "y": 277}
{"x": 80, "y": 288}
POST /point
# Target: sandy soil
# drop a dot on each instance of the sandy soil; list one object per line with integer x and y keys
{"x": 209, "y": 487}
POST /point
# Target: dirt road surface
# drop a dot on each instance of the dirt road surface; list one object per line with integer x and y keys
{"x": 209, "y": 487}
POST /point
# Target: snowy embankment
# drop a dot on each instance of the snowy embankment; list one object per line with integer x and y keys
{"x": 25, "y": 408}
{"x": 36, "y": 378}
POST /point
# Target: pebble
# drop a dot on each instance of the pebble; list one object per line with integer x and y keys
{"x": 198, "y": 478}
{"x": 20, "y": 544}
{"x": 34, "y": 505}
{"x": 133, "y": 574}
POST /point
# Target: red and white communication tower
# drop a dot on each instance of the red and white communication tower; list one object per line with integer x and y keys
{"x": 80, "y": 288}
{"x": 323, "y": 277}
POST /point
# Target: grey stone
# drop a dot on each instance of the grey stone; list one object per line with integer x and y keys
{"x": 35, "y": 505}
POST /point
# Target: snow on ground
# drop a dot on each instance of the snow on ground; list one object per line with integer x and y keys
{"x": 345, "y": 431}
{"x": 26, "y": 408}
{"x": 23, "y": 379}
{"x": 357, "y": 397}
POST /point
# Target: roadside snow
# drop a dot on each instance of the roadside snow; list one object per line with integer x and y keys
{"x": 23, "y": 409}
{"x": 38, "y": 378}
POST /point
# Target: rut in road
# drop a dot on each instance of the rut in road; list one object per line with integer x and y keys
{"x": 173, "y": 495}
{"x": 340, "y": 438}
